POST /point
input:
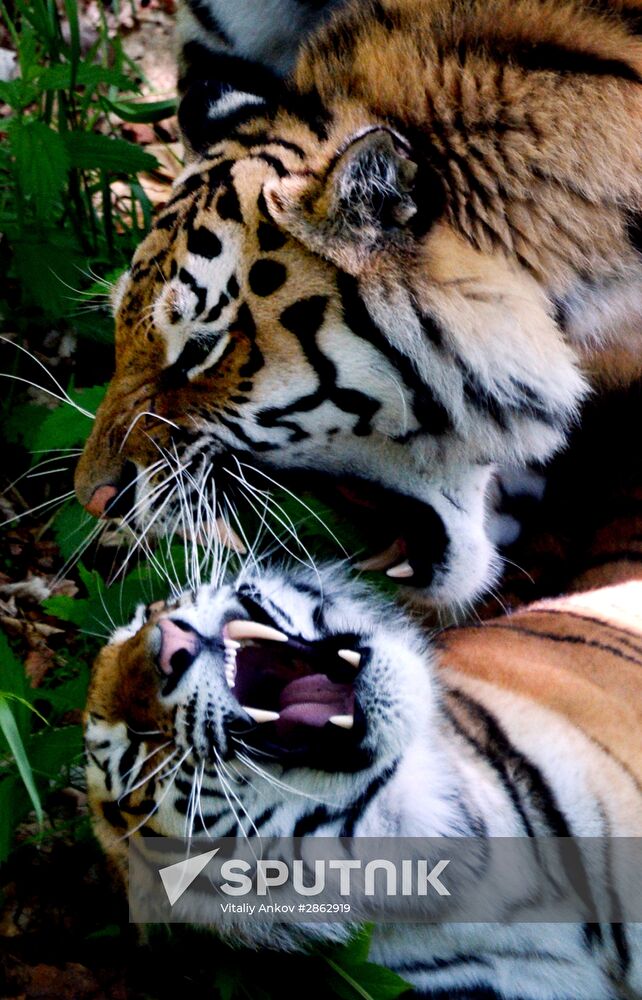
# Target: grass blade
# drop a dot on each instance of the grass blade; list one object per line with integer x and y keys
{"x": 10, "y": 732}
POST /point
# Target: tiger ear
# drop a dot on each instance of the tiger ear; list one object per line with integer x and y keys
{"x": 364, "y": 199}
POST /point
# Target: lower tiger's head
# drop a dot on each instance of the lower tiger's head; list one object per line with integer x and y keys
{"x": 237, "y": 704}
{"x": 306, "y": 304}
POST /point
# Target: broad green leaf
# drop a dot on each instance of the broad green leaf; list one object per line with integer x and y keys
{"x": 48, "y": 271}
{"x": 357, "y": 948}
{"x": 54, "y": 749}
{"x": 12, "y": 736}
{"x": 68, "y": 609}
{"x": 137, "y": 111}
{"x": 104, "y": 285}
{"x": 18, "y": 93}
{"x": 91, "y": 151}
{"x": 23, "y": 424}
{"x": 59, "y": 77}
{"x": 71, "y": 527}
{"x": 66, "y": 427}
{"x": 97, "y": 326}
{"x": 72, "y": 694}
{"x": 42, "y": 162}
{"x": 367, "y": 981}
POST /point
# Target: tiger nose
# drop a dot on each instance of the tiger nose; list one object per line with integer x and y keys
{"x": 100, "y": 500}
{"x": 179, "y": 646}
{"x": 115, "y": 498}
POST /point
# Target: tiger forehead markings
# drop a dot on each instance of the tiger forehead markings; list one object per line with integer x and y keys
{"x": 389, "y": 272}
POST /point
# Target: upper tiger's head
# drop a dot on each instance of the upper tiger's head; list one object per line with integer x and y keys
{"x": 304, "y": 302}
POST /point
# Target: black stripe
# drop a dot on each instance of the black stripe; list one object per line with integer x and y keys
{"x": 359, "y": 806}
{"x": 494, "y": 753}
{"x": 128, "y": 759}
{"x": 573, "y": 640}
{"x": 304, "y": 319}
{"x": 193, "y": 354}
{"x": 200, "y": 291}
{"x": 500, "y": 748}
{"x": 113, "y": 815}
{"x": 438, "y": 964}
{"x": 203, "y": 242}
{"x": 470, "y": 993}
{"x": 634, "y": 230}
{"x": 239, "y": 433}
{"x": 259, "y": 138}
{"x": 547, "y": 57}
{"x": 430, "y": 413}
{"x": 273, "y": 161}
{"x": 553, "y": 57}
{"x": 202, "y": 11}
{"x": 623, "y": 635}
{"x": 311, "y": 822}
{"x": 264, "y": 817}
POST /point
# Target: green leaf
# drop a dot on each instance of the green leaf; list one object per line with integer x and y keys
{"x": 23, "y": 423}
{"x": 91, "y": 151}
{"x": 225, "y": 982}
{"x": 9, "y": 813}
{"x": 71, "y": 527}
{"x": 66, "y": 427}
{"x": 357, "y": 948}
{"x": 59, "y": 77}
{"x": 18, "y": 93}
{"x": 65, "y": 697}
{"x": 55, "y": 749}
{"x": 12, "y": 736}
{"x": 14, "y": 682}
{"x": 68, "y": 609}
{"x": 42, "y": 162}
{"x": 71, "y": 9}
{"x": 47, "y": 269}
{"x": 367, "y": 981}
{"x": 137, "y": 111}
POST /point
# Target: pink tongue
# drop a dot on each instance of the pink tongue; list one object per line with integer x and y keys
{"x": 310, "y": 701}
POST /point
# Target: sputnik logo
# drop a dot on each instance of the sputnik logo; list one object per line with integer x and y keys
{"x": 178, "y": 878}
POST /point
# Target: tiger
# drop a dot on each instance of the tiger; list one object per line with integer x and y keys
{"x": 284, "y": 703}
{"x": 408, "y": 261}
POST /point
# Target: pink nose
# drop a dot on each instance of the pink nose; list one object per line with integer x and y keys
{"x": 100, "y": 499}
{"x": 178, "y": 647}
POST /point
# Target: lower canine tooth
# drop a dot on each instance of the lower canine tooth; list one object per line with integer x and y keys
{"x": 350, "y": 656}
{"x": 343, "y": 721}
{"x": 261, "y": 714}
{"x": 402, "y": 571}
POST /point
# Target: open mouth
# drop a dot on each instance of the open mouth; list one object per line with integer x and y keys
{"x": 298, "y": 695}
{"x": 407, "y": 537}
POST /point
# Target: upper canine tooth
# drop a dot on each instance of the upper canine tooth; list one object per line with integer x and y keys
{"x": 231, "y": 644}
{"x": 261, "y": 714}
{"x": 239, "y": 629}
{"x": 350, "y": 656}
{"x": 343, "y": 721}
{"x": 383, "y": 559}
